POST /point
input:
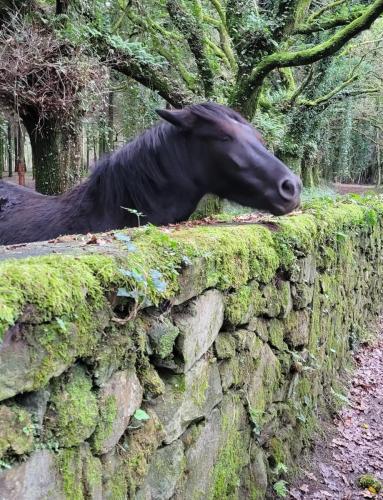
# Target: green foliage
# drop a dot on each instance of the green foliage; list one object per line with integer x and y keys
{"x": 370, "y": 481}
{"x": 141, "y": 415}
{"x": 280, "y": 489}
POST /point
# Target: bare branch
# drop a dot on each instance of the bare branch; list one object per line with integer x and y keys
{"x": 43, "y": 74}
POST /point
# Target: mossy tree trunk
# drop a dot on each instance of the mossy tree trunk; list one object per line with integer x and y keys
{"x": 10, "y": 148}
{"x": 2, "y": 149}
{"x": 56, "y": 155}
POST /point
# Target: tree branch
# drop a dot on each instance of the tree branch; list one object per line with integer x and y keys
{"x": 224, "y": 35}
{"x": 371, "y": 123}
{"x": 194, "y": 35}
{"x": 302, "y": 86}
{"x": 153, "y": 76}
{"x": 366, "y": 136}
{"x": 321, "y": 100}
{"x": 327, "y": 24}
{"x": 170, "y": 54}
{"x": 245, "y": 97}
{"x": 327, "y": 7}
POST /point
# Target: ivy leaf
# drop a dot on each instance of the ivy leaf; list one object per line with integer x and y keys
{"x": 141, "y": 415}
{"x": 341, "y": 236}
{"x": 159, "y": 284}
{"x": 123, "y": 292}
{"x": 131, "y": 247}
{"x": 126, "y": 272}
{"x": 122, "y": 237}
{"x": 61, "y": 324}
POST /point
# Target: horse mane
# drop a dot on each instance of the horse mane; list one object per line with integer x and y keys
{"x": 129, "y": 171}
{"x": 135, "y": 170}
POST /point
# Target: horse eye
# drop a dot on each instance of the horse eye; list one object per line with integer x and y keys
{"x": 225, "y": 138}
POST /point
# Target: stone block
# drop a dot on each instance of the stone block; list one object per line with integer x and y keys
{"x": 34, "y": 479}
{"x": 199, "y": 323}
{"x": 297, "y": 328}
{"x": 188, "y": 398}
{"x": 119, "y": 398}
{"x": 165, "y": 470}
{"x": 277, "y": 299}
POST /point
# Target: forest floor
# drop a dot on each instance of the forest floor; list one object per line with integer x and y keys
{"x": 352, "y": 445}
{"x": 29, "y": 181}
{"x": 355, "y": 188}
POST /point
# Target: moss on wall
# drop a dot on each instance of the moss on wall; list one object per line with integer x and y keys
{"x": 299, "y": 294}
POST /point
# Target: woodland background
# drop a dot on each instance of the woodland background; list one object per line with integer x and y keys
{"x": 79, "y": 78}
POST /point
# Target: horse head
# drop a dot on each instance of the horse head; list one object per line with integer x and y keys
{"x": 232, "y": 159}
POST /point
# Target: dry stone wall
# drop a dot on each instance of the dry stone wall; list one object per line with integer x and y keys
{"x": 186, "y": 363}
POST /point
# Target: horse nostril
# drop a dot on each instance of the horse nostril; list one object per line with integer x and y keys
{"x": 288, "y": 189}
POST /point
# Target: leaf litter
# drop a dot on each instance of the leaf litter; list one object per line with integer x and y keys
{"x": 353, "y": 445}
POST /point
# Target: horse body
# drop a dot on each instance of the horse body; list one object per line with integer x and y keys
{"x": 162, "y": 174}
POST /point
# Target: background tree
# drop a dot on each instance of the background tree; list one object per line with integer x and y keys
{"x": 284, "y": 65}
{"x": 47, "y": 83}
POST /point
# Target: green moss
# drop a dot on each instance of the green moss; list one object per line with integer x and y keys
{"x": 276, "y": 334}
{"x": 178, "y": 383}
{"x": 233, "y": 255}
{"x": 295, "y": 234}
{"x": 115, "y": 351}
{"x": 243, "y": 303}
{"x": 277, "y": 299}
{"x": 153, "y": 384}
{"x": 91, "y": 474}
{"x": 231, "y": 458}
{"x": 277, "y": 451}
{"x": 257, "y": 493}
{"x": 70, "y": 466}
{"x": 225, "y": 345}
{"x": 140, "y": 446}
{"x": 81, "y": 473}
{"x": 16, "y": 431}
{"x": 162, "y": 336}
{"x": 370, "y": 481}
{"x": 118, "y": 486}
{"x": 70, "y": 288}
{"x": 237, "y": 305}
{"x": 108, "y": 413}
{"x": 56, "y": 286}
{"x": 75, "y": 409}
{"x": 200, "y": 387}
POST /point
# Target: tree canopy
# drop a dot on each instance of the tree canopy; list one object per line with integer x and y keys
{"x": 293, "y": 67}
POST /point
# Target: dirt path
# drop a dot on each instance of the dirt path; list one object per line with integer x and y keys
{"x": 353, "y": 444}
{"x": 355, "y": 188}
{"x": 29, "y": 181}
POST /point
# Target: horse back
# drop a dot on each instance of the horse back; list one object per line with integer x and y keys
{"x": 24, "y": 214}
{"x": 12, "y": 195}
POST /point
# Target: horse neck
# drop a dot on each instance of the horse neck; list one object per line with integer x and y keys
{"x": 155, "y": 175}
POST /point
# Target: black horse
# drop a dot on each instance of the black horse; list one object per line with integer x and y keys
{"x": 163, "y": 173}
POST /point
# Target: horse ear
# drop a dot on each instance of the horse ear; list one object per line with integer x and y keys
{"x": 181, "y": 118}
